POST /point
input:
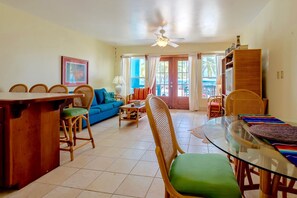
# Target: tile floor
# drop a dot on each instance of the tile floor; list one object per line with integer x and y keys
{"x": 122, "y": 165}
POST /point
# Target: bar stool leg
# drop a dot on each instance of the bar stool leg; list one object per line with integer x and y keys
{"x": 70, "y": 133}
{"x": 89, "y": 130}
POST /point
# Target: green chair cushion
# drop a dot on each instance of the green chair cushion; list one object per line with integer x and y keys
{"x": 206, "y": 175}
{"x": 72, "y": 112}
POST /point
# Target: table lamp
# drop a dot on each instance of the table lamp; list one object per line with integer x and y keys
{"x": 118, "y": 80}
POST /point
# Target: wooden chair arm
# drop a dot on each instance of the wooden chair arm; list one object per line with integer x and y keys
{"x": 217, "y": 99}
{"x": 129, "y": 97}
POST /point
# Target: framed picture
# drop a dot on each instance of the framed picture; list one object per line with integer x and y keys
{"x": 74, "y": 71}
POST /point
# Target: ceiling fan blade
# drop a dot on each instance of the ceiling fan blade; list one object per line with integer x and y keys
{"x": 173, "y": 44}
{"x": 155, "y": 44}
{"x": 177, "y": 39}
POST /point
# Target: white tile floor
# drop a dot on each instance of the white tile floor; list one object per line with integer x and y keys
{"x": 122, "y": 165}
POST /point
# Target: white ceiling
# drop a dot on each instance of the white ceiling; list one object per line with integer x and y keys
{"x": 134, "y": 22}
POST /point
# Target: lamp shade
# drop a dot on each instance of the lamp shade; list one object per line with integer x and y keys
{"x": 118, "y": 80}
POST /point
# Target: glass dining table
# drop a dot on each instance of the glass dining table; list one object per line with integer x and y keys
{"x": 232, "y": 136}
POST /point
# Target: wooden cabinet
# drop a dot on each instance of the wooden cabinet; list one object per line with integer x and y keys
{"x": 1, "y": 146}
{"x": 242, "y": 69}
{"x": 29, "y": 136}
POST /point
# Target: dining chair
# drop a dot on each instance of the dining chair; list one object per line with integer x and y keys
{"x": 187, "y": 174}
{"x": 243, "y": 101}
{"x": 71, "y": 116}
{"x": 58, "y": 88}
{"x": 38, "y": 88}
{"x": 19, "y": 88}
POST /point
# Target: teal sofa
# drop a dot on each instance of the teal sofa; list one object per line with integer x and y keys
{"x": 101, "y": 108}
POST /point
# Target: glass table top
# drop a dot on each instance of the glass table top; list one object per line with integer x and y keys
{"x": 232, "y": 136}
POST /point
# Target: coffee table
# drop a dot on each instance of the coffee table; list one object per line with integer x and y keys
{"x": 132, "y": 113}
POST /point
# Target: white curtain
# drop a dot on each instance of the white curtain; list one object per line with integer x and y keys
{"x": 194, "y": 82}
{"x": 126, "y": 75}
{"x": 153, "y": 61}
{"x": 219, "y": 75}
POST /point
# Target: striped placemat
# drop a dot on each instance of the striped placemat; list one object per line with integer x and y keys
{"x": 287, "y": 150}
{"x": 282, "y": 136}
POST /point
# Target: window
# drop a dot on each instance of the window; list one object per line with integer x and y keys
{"x": 162, "y": 79}
{"x": 210, "y": 65}
{"x": 137, "y": 72}
{"x": 183, "y": 78}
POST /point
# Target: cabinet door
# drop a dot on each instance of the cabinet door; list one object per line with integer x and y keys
{"x": 1, "y": 146}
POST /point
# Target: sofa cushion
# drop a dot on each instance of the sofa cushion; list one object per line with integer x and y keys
{"x": 104, "y": 107}
{"x": 99, "y": 93}
{"x": 109, "y": 97}
{"x": 94, "y": 102}
{"x": 94, "y": 111}
{"x": 118, "y": 103}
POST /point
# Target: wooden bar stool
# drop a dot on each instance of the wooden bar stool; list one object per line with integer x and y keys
{"x": 19, "y": 88}
{"x": 38, "y": 88}
{"x": 70, "y": 117}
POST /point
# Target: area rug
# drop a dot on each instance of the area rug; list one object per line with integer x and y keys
{"x": 197, "y": 132}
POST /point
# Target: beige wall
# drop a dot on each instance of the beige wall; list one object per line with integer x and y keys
{"x": 182, "y": 49}
{"x": 274, "y": 30}
{"x": 31, "y": 50}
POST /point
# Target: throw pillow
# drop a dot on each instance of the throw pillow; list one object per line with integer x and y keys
{"x": 109, "y": 97}
{"x": 94, "y": 102}
{"x": 100, "y": 95}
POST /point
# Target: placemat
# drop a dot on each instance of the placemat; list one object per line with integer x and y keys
{"x": 282, "y": 137}
{"x": 280, "y": 133}
{"x": 289, "y": 151}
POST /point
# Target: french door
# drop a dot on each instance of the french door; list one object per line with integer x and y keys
{"x": 172, "y": 81}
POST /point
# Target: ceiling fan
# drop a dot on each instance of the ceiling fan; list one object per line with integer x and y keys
{"x": 163, "y": 41}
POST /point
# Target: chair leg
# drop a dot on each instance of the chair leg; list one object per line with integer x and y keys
{"x": 284, "y": 193}
{"x": 70, "y": 138}
{"x": 167, "y": 195}
{"x": 74, "y": 132}
{"x": 64, "y": 130}
{"x": 90, "y": 131}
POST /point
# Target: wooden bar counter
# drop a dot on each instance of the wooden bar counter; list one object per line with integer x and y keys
{"x": 29, "y": 136}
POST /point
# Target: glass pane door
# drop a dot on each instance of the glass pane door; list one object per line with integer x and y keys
{"x": 172, "y": 82}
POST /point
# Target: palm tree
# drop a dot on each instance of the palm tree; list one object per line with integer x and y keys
{"x": 209, "y": 66}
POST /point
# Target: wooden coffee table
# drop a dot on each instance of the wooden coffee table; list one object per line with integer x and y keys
{"x": 131, "y": 113}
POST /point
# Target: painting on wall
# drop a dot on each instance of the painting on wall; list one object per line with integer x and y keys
{"x": 74, "y": 71}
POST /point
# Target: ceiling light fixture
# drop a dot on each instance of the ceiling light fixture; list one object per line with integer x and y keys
{"x": 162, "y": 41}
